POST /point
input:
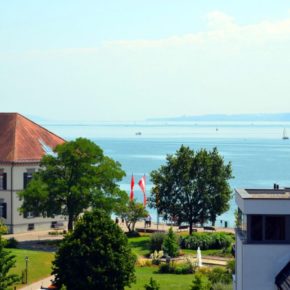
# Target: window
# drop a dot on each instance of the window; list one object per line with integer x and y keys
{"x": 257, "y": 227}
{"x": 267, "y": 228}
{"x": 27, "y": 176}
{"x": 28, "y": 215}
{"x": 275, "y": 228}
{"x": 3, "y": 210}
{"x": 30, "y": 227}
{"x": 3, "y": 180}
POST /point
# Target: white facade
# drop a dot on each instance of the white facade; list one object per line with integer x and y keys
{"x": 15, "y": 222}
{"x": 260, "y": 258}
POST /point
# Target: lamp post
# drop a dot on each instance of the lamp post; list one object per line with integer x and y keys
{"x": 26, "y": 269}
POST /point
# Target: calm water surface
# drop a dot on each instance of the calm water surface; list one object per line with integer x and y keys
{"x": 257, "y": 152}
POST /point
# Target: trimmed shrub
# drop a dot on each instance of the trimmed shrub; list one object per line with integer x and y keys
{"x": 11, "y": 243}
{"x": 165, "y": 269}
{"x": 153, "y": 285}
{"x": 133, "y": 234}
{"x": 184, "y": 268}
{"x": 206, "y": 241}
{"x": 156, "y": 241}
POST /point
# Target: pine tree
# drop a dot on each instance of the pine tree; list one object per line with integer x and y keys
{"x": 7, "y": 261}
{"x": 170, "y": 244}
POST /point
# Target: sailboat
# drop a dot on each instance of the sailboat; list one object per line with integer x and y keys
{"x": 285, "y": 136}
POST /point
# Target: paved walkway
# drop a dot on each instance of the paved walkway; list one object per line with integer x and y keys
{"x": 33, "y": 236}
{"x": 37, "y": 285}
{"x": 43, "y": 235}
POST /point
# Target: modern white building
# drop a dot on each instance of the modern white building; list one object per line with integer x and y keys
{"x": 22, "y": 145}
{"x": 263, "y": 239}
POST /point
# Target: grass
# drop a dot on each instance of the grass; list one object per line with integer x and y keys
{"x": 140, "y": 245}
{"x": 39, "y": 264}
{"x": 166, "y": 281}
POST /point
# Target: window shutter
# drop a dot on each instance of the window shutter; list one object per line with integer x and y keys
{"x": 4, "y": 210}
{"x": 24, "y": 179}
{"x": 4, "y": 181}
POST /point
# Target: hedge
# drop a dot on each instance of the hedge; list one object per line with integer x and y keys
{"x": 206, "y": 241}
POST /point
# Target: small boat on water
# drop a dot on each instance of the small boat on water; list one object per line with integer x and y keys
{"x": 138, "y": 133}
{"x": 285, "y": 136}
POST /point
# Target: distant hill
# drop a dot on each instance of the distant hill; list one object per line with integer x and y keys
{"x": 281, "y": 117}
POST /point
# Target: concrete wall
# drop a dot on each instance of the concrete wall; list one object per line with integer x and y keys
{"x": 239, "y": 266}
{"x": 258, "y": 265}
{"x": 263, "y": 206}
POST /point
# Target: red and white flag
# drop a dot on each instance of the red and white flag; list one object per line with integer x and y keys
{"x": 142, "y": 184}
{"x": 132, "y": 188}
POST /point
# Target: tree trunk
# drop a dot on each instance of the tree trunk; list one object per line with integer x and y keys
{"x": 213, "y": 219}
{"x": 70, "y": 223}
{"x": 190, "y": 227}
{"x": 133, "y": 226}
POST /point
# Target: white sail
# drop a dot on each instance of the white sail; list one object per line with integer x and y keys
{"x": 285, "y": 136}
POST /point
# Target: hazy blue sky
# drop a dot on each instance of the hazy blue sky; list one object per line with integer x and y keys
{"x": 131, "y": 60}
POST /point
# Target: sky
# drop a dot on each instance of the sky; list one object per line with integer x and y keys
{"x": 126, "y": 60}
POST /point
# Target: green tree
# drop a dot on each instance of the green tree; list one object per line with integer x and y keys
{"x": 192, "y": 187}
{"x": 96, "y": 255}
{"x": 76, "y": 177}
{"x": 200, "y": 282}
{"x": 170, "y": 245}
{"x": 131, "y": 212}
{"x": 219, "y": 191}
{"x": 7, "y": 262}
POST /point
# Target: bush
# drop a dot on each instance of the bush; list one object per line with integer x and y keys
{"x": 133, "y": 234}
{"x": 11, "y": 243}
{"x": 166, "y": 269}
{"x": 153, "y": 285}
{"x": 206, "y": 241}
{"x": 156, "y": 256}
{"x": 231, "y": 266}
{"x": 200, "y": 282}
{"x": 170, "y": 245}
{"x": 221, "y": 286}
{"x": 184, "y": 268}
{"x": 156, "y": 241}
{"x": 219, "y": 275}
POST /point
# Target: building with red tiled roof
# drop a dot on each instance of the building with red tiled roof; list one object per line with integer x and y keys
{"x": 22, "y": 145}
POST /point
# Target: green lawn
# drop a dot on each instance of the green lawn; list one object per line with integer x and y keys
{"x": 166, "y": 281}
{"x": 140, "y": 245}
{"x": 39, "y": 264}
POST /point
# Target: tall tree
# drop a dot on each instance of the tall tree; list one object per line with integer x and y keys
{"x": 192, "y": 187}
{"x": 95, "y": 255}
{"x": 76, "y": 177}
{"x": 7, "y": 262}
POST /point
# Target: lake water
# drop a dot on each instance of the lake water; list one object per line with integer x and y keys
{"x": 258, "y": 154}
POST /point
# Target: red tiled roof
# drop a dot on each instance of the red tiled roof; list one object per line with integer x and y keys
{"x": 21, "y": 140}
